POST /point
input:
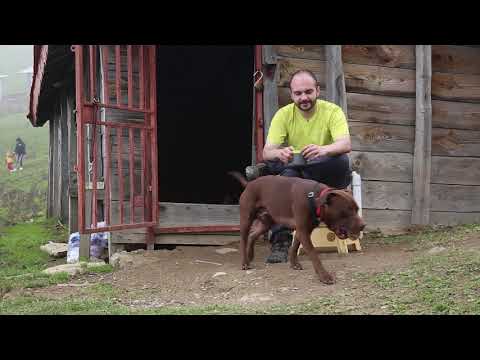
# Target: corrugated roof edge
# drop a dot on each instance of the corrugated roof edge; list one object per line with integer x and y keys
{"x": 40, "y": 54}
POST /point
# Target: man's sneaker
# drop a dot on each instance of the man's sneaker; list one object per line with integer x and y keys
{"x": 21, "y": 168}
{"x": 280, "y": 245}
{"x": 254, "y": 171}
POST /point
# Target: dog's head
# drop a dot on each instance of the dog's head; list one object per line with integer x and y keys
{"x": 341, "y": 214}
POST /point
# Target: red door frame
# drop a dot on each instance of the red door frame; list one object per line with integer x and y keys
{"x": 87, "y": 106}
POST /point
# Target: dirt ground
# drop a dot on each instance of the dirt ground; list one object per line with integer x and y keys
{"x": 199, "y": 276}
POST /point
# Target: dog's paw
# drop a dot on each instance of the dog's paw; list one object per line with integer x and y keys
{"x": 327, "y": 278}
{"x": 246, "y": 267}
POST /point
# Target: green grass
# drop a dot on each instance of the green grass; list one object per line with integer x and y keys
{"x": 21, "y": 260}
{"x": 23, "y": 193}
{"x": 445, "y": 283}
{"x": 427, "y": 237}
{"x": 109, "y": 305}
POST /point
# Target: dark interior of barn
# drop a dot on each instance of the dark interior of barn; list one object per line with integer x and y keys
{"x": 205, "y": 104}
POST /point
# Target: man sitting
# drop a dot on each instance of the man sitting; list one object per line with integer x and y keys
{"x": 319, "y": 131}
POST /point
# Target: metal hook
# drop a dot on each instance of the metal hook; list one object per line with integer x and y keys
{"x": 258, "y": 83}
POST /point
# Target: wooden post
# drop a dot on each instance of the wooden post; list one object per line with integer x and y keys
{"x": 423, "y": 136}
{"x": 270, "y": 90}
{"x": 72, "y": 161}
{"x": 63, "y": 149}
{"x": 335, "y": 82}
{"x": 51, "y": 160}
{"x": 150, "y": 239}
{"x": 84, "y": 252}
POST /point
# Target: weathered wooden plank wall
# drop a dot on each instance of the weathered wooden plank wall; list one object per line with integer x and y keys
{"x": 380, "y": 96}
{"x": 455, "y": 134}
{"x": 380, "y": 84}
{"x": 57, "y": 197}
{"x": 422, "y": 158}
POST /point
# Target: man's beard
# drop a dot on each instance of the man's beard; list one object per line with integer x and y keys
{"x": 302, "y": 106}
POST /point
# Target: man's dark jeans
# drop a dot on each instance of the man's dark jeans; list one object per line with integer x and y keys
{"x": 333, "y": 171}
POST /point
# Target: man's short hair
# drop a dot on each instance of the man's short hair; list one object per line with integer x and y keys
{"x": 302, "y": 71}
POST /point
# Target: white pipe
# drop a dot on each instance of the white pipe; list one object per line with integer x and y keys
{"x": 357, "y": 190}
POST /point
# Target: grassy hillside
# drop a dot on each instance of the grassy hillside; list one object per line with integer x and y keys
{"x": 23, "y": 193}
{"x": 14, "y": 58}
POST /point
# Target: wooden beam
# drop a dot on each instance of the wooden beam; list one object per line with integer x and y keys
{"x": 423, "y": 136}
{"x": 398, "y": 56}
{"x": 270, "y": 89}
{"x": 51, "y": 160}
{"x": 269, "y": 54}
{"x": 335, "y": 79}
{"x": 72, "y": 161}
{"x": 367, "y": 79}
{"x": 136, "y": 237}
{"x": 84, "y": 251}
{"x": 64, "y": 178}
{"x": 383, "y": 166}
{"x": 301, "y": 51}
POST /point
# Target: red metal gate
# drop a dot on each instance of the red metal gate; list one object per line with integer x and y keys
{"x": 116, "y": 137}
{"x": 258, "y": 104}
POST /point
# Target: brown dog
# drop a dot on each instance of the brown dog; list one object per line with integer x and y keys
{"x": 285, "y": 201}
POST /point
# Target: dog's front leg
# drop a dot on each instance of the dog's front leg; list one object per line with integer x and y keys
{"x": 292, "y": 254}
{"x": 305, "y": 240}
{"x": 244, "y": 231}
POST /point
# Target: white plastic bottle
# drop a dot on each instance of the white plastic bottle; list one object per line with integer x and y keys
{"x": 357, "y": 190}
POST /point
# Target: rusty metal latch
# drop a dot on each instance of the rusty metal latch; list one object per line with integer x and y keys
{"x": 258, "y": 84}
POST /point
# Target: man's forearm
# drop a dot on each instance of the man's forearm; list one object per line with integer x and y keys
{"x": 339, "y": 147}
{"x": 270, "y": 153}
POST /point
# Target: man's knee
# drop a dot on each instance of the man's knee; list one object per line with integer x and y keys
{"x": 331, "y": 170}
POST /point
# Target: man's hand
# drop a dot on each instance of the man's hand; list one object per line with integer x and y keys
{"x": 312, "y": 151}
{"x": 341, "y": 146}
{"x": 285, "y": 154}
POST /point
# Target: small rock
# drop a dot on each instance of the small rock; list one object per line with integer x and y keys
{"x": 250, "y": 271}
{"x": 121, "y": 260}
{"x": 71, "y": 269}
{"x": 58, "y": 250}
{"x": 436, "y": 250}
{"x": 255, "y": 298}
{"x": 224, "y": 251}
{"x": 221, "y": 273}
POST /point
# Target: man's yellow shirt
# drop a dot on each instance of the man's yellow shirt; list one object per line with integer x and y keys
{"x": 289, "y": 127}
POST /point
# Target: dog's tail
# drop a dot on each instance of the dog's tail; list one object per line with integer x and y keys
{"x": 239, "y": 177}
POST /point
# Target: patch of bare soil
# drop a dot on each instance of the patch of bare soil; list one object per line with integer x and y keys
{"x": 199, "y": 276}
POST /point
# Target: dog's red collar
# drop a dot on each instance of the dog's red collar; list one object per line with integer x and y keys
{"x": 319, "y": 209}
{"x": 316, "y": 212}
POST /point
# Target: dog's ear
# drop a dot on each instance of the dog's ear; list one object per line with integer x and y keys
{"x": 327, "y": 198}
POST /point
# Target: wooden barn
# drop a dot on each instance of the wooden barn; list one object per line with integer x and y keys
{"x": 142, "y": 137}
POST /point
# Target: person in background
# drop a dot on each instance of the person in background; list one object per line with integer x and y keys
{"x": 20, "y": 152}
